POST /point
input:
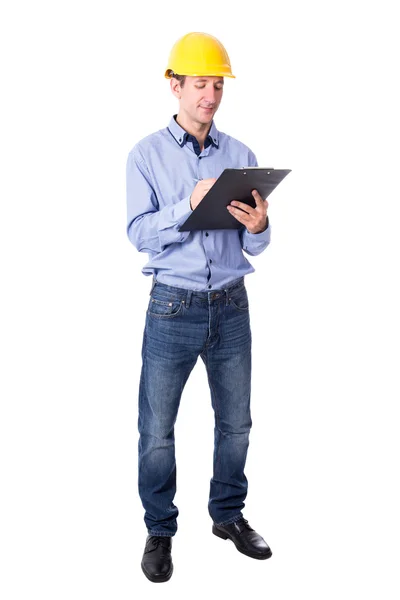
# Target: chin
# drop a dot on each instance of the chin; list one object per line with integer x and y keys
{"x": 206, "y": 119}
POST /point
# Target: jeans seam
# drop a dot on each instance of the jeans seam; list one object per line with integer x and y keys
{"x": 217, "y": 421}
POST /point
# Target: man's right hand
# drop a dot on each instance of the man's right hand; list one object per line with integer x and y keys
{"x": 200, "y": 191}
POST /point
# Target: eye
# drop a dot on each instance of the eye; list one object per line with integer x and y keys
{"x": 200, "y": 86}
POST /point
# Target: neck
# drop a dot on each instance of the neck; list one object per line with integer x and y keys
{"x": 199, "y": 130}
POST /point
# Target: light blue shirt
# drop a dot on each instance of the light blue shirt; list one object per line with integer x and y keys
{"x": 161, "y": 173}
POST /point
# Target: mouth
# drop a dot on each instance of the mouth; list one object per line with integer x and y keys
{"x": 207, "y": 109}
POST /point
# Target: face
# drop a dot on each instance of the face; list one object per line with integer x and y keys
{"x": 199, "y": 97}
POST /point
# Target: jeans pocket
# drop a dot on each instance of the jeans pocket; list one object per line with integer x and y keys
{"x": 166, "y": 308}
{"x": 239, "y": 299}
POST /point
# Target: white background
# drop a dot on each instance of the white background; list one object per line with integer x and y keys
{"x": 315, "y": 92}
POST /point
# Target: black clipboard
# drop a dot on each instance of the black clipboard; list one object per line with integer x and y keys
{"x": 233, "y": 184}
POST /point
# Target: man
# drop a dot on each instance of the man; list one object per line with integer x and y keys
{"x": 198, "y": 301}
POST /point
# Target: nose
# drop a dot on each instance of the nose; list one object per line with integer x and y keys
{"x": 211, "y": 96}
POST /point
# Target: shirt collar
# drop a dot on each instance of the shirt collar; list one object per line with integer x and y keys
{"x": 180, "y": 134}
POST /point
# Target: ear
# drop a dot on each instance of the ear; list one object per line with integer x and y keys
{"x": 175, "y": 87}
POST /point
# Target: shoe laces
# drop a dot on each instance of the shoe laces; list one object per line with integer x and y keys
{"x": 246, "y": 524}
{"x": 160, "y": 541}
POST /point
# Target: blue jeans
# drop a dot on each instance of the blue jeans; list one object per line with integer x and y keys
{"x": 182, "y": 325}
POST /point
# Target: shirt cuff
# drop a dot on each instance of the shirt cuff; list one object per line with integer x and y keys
{"x": 255, "y": 243}
{"x": 171, "y": 218}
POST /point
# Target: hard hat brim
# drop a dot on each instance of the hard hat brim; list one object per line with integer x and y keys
{"x": 169, "y": 74}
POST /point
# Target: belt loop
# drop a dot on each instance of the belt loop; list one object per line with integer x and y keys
{"x": 188, "y": 298}
{"x": 152, "y": 285}
{"x": 227, "y": 296}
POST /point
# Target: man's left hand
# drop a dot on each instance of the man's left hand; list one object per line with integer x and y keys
{"x": 254, "y": 219}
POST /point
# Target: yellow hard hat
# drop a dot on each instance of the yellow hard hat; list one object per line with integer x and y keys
{"x": 198, "y": 54}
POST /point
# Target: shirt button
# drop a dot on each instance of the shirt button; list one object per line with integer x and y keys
{"x": 206, "y": 233}
{"x": 209, "y": 286}
{"x": 210, "y": 261}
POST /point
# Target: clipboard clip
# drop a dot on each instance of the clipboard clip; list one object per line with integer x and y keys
{"x": 244, "y": 169}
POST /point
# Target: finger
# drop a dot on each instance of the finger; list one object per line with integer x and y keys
{"x": 243, "y": 206}
{"x": 241, "y": 216}
{"x": 259, "y": 199}
{"x": 249, "y": 210}
{"x": 261, "y": 204}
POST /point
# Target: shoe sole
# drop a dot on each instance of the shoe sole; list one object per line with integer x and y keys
{"x": 224, "y": 536}
{"x": 158, "y": 579}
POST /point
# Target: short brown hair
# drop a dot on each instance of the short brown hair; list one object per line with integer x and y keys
{"x": 180, "y": 78}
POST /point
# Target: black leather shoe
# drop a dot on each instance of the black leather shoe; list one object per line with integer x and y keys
{"x": 157, "y": 560}
{"x": 246, "y": 540}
